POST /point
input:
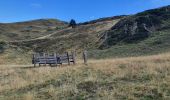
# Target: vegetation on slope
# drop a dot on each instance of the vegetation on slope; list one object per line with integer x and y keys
{"x": 145, "y": 33}
{"x": 52, "y": 39}
{"x": 78, "y": 38}
{"x": 139, "y": 27}
{"x": 30, "y": 29}
{"x": 155, "y": 44}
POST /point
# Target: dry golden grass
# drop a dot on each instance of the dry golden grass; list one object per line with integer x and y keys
{"x": 13, "y": 56}
{"x": 126, "y": 78}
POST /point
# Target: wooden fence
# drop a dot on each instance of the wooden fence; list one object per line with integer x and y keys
{"x": 53, "y": 59}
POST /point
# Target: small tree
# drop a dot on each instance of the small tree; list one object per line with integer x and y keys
{"x": 72, "y": 23}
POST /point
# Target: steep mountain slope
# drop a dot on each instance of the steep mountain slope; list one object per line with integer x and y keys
{"x": 142, "y": 34}
{"x": 140, "y": 26}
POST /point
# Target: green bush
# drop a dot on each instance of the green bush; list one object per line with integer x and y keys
{"x": 59, "y": 28}
{"x": 2, "y": 46}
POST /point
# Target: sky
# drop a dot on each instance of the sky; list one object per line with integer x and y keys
{"x": 80, "y": 10}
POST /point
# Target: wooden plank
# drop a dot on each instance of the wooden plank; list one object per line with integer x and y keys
{"x": 45, "y": 58}
{"x": 33, "y": 60}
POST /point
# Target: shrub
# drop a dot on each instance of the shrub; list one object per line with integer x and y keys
{"x": 59, "y": 28}
{"x": 2, "y": 46}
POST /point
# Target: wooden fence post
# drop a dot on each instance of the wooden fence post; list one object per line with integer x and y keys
{"x": 74, "y": 57}
{"x": 85, "y": 57}
{"x": 55, "y": 56}
{"x": 45, "y": 56}
{"x": 33, "y": 60}
{"x": 39, "y": 58}
{"x": 68, "y": 58}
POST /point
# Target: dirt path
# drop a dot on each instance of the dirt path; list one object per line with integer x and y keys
{"x": 43, "y": 37}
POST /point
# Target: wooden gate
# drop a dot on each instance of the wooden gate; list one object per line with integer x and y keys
{"x": 53, "y": 59}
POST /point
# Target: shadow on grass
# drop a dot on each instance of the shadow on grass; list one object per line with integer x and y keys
{"x": 43, "y": 66}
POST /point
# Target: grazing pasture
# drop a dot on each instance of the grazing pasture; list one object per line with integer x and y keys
{"x": 133, "y": 78}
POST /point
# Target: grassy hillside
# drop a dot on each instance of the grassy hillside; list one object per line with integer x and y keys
{"x": 29, "y": 29}
{"x": 133, "y": 78}
{"x": 55, "y": 36}
{"x": 140, "y": 26}
{"x": 83, "y": 36}
{"x": 145, "y": 33}
{"x": 155, "y": 44}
